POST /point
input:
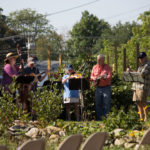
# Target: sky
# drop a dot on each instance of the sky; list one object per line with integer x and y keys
{"x": 111, "y": 11}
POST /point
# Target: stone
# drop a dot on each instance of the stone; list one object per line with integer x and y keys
{"x": 42, "y": 132}
{"x": 119, "y": 142}
{"x": 129, "y": 145}
{"x": 117, "y": 132}
{"x": 129, "y": 139}
{"x": 136, "y": 147}
{"x": 53, "y": 136}
{"x": 52, "y": 129}
{"x": 32, "y": 133}
{"x": 62, "y": 133}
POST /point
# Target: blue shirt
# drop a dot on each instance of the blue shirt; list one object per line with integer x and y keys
{"x": 67, "y": 92}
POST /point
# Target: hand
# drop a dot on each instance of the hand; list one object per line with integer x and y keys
{"x": 128, "y": 70}
{"x": 46, "y": 73}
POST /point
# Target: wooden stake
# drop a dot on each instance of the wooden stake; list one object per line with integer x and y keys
{"x": 49, "y": 61}
{"x": 124, "y": 59}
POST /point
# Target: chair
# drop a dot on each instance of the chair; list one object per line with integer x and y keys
{"x": 38, "y": 144}
{"x": 3, "y": 147}
{"x": 73, "y": 142}
{"x": 145, "y": 140}
{"x": 95, "y": 141}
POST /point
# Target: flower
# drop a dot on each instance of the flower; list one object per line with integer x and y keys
{"x": 146, "y": 107}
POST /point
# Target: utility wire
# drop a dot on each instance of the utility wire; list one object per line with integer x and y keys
{"x": 126, "y": 12}
{"x": 69, "y": 9}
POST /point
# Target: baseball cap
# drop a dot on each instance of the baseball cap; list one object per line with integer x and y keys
{"x": 69, "y": 67}
{"x": 142, "y": 55}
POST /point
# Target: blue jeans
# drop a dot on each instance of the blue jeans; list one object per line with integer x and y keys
{"x": 102, "y": 101}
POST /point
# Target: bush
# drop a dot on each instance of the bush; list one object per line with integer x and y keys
{"x": 47, "y": 104}
{"x": 121, "y": 94}
{"x": 120, "y": 119}
{"x": 9, "y": 110}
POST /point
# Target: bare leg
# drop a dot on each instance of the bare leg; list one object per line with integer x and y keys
{"x": 140, "y": 109}
{"x": 145, "y": 110}
{"x": 76, "y": 106}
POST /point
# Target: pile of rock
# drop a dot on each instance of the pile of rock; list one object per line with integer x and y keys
{"x": 125, "y": 140}
{"x": 32, "y": 131}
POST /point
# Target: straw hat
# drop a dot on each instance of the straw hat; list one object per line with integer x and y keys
{"x": 10, "y": 55}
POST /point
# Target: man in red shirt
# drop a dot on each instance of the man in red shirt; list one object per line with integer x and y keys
{"x": 101, "y": 75}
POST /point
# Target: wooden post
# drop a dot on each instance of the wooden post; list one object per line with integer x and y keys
{"x": 107, "y": 58}
{"x": 60, "y": 60}
{"x": 49, "y": 61}
{"x": 124, "y": 59}
{"x": 137, "y": 54}
{"x": 116, "y": 58}
{"x": 29, "y": 46}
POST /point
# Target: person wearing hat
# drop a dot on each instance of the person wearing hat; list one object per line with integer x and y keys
{"x": 71, "y": 97}
{"x": 141, "y": 89}
{"x": 10, "y": 70}
{"x": 32, "y": 70}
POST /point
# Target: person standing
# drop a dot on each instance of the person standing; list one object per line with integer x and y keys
{"x": 141, "y": 89}
{"x": 71, "y": 97}
{"x": 10, "y": 70}
{"x": 101, "y": 75}
{"x": 32, "y": 70}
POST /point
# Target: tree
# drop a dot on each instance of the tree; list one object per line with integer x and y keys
{"x": 85, "y": 34}
{"x": 28, "y": 22}
{"x": 50, "y": 39}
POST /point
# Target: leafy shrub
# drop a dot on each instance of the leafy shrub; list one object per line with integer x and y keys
{"x": 120, "y": 119}
{"x": 47, "y": 104}
{"x": 121, "y": 94}
{"x": 9, "y": 110}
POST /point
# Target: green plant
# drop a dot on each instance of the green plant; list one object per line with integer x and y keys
{"x": 120, "y": 119}
{"x": 46, "y": 104}
{"x": 9, "y": 110}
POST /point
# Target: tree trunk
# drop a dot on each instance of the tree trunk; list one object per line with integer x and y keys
{"x": 116, "y": 60}
{"x": 124, "y": 59}
{"x": 137, "y": 54}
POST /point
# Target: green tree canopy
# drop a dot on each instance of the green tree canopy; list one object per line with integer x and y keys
{"x": 28, "y": 21}
{"x": 85, "y": 34}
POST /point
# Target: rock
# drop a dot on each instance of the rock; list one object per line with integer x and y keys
{"x": 119, "y": 142}
{"x": 62, "y": 133}
{"x": 111, "y": 145}
{"x": 129, "y": 145}
{"x": 53, "y": 136}
{"x": 42, "y": 132}
{"x": 52, "y": 129}
{"x": 32, "y": 132}
{"x": 117, "y": 132}
{"x": 136, "y": 147}
{"x": 129, "y": 139}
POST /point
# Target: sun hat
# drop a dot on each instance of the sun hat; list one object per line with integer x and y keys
{"x": 10, "y": 55}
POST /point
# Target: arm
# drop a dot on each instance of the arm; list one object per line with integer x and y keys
{"x": 93, "y": 77}
{"x": 43, "y": 77}
{"x": 65, "y": 79}
{"x": 146, "y": 70}
{"x": 109, "y": 74}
